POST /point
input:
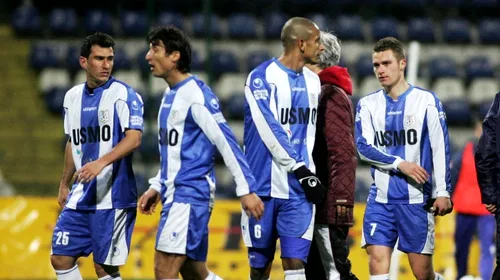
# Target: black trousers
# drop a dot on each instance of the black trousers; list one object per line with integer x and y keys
{"x": 340, "y": 251}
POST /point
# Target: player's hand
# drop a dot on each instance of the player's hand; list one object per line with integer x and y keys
{"x": 314, "y": 190}
{"x": 414, "y": 171}
{"x": 148, "y": 201}
{"x": 252, "y": 205}
{"x": 442, "y": 206}
{"x": 89, "y": 171}
{"x": 62, "y": 197}
{"x": 492, "y": 208}
{"x": 343, "y": 212}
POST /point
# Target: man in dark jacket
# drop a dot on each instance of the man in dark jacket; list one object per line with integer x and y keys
{"x": 488, "y": 168}
{"x": 334, "y": 155}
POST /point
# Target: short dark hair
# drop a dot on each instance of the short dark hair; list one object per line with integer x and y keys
{"x": 393, "y": 44}
{"x": 100, "y": 39}
{"x": 174, "y": 39}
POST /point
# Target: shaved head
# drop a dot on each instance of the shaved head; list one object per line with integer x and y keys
{"x": 297, "y": 28}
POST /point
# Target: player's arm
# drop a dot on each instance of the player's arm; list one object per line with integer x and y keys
{"x": 130, "y": 113}
{"x": 69, "y": 168}
{"x": 214, "y": 126}
{"x": 486, "y": 158}
{"x": 261, "y": 99}
{"x": 365, "y": 137}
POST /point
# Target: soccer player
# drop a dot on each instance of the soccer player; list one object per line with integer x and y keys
{"x": 334, "y": 155}
{"x": 104, "y": 121}
{"x": 191, "y": 129}
{"x": 280, "y": 126}
{"x": 401, "y": 131}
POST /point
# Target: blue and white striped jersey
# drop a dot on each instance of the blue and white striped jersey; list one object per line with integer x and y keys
{"x": 280, "y": 126}
{"x": 96, "y": 122}
{"x": 414, "y": 129}
{"x": 191, "y": 128}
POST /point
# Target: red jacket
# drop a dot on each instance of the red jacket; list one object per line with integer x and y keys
{"x": 334, "y": 151}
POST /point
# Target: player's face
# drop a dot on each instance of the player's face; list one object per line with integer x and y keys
{"x": 312, "y": 48}
{"x": 98, "y": 65}
{"x": 161, "y": 63}
{"x": 387, "y": 68}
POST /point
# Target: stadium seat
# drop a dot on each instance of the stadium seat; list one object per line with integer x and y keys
{"x": 132, "y": 78}
{"x": 43, "y": 56}
{"x": 456, "y": 31}
{"x": 54, "y": 100}
{"x": 322, "y": 21}
{"x": 152, "y": 104}
{"x": 53, "y": 78}
{"x": 98, "y": 21}
{"x": 477, "y": 67}
{"x": 242, "y": 26}
{"x": 255, "y": 58}
{"x": 236, "y": 105}
{"x": 223, "y": 61}
{"x": 72, "y": 60}
{"x": 149, "y": 146}
{"x": 199, "y": 26}
{"x": 364, "y": 66}
{"x": 488, "y": 31}
{"x": 368, "y": 85}
{"x": 197, "y": 63}
{"x": 449, "y": 89}
{"x": 26, "y": 20}
{"x": 458, "y": 112}
{"x": 483, "y": 108}
{"x": 63, "y": 21}
{"x": 442, "y": 66}
{"x": 158, "y": 85}
{"x": 414, "y": 3}
{"x": 227, "y": 84}
{"x": 384, "y": 27}
{"x": 484, "y": 4}
{"x": 134, "y": 23}
{"x": 483, "y": 90}
{"x": 450, "y": 3}
{"x": 142, "y": 62}
{"x": 80, "y": 77}
{"x": 122, "y": 61}
{"x": 349, "y": 28}
{"x": 170, "y": 18}
{"x": 273, "y": 23}
{"x": 422, "y": 30}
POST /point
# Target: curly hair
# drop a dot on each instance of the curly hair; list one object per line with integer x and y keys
{"x": 331, "y": 53}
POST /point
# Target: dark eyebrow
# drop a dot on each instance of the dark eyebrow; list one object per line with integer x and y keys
{"x": 104, "y": 57}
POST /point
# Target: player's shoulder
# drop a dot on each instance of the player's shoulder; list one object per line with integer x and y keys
{"x": 195, "y": 91}
{"x": 74, "y": 93}
{"x": 372, "y": 97}
{"x": 260, "y": 71}
{"x": 310, "y": 75}
{"x": 124, "y": 91}
{"x": 428, "y": 96}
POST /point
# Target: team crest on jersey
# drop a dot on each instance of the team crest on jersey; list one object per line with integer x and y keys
{"x": 103, "y": 116}
{"x": 135, "y": 106}
{"x": 257, "y": 83}
{"x": 410, "y": 120}
{"x": 214, "y": 103}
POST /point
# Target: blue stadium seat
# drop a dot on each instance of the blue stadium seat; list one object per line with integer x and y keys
{"x": 42, "y": 56}
{"x": 242, "y": 26}
{"x": 484, "y": 3}
{"x": 450, "y": 3}
{"x": 199, "y": 26}
{"x": 458, "y": 112}
{"x": 26, "y": 20}
{"x": 98, "y": 21}
{"x": 54, "y": 100}
{"x": 364, "y": 66}
{"x": 488, "y": 31}
{"x": 413, "y": 3}
{"x": 442, "y": 66}
{"x": 484, "y": 107}
{"x": 122, "y": 61}
{"x": 349, "y": 28}
{"x": 142, "y": 62}
{"x": 255, "y": 58}
{"x": 456, "y": 31}
{"x": 197, "y": 63}
{"x": 170, "y": 18}
{"x": 273, "y": 23}
{"x": 322, "y": 21}
{"x": 72, "y": 60}
{"x": 477, "y": 67}
{"x": 384, "y": 27}
{"x": 236, "y": 106}
{"x": 63, "y": 21}
{"x": 149, "y": 145}
{"x": 134, "y": 23}
{"x": 224, "y": 61}
{"x": 421, "y": 29}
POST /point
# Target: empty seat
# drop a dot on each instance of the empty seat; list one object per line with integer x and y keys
{"x": 72, "y": 60}
{"x": 43, "y": 56}
{"x": 158, "y": 85}
{"x": 197, "y": 63}
{"x": 421, "y": 29}
{"x": 488, "y": 31}
{"x": 98, "y": 21}
{"x": 349, "y": 28}
{"x": 131, "y": 78}
{"x": 200, "y": 26}
{"x": 236, "y": 106}
{"x": 54, "y": 100}
{"x": 170, "y": 18}
{"x": 364, "y": 66}
{"x": 255, "y": 58}
{"x": 478, "y": 66}
{"x": 63, "y": 21}
{"x": 442, "y": 66}
{"x": 121, "y": 60}
{"x": 482, "y": 90}
{"x": 384, "y": 27}
{"x": 26, "y": 20}
{"x": 449, "y": 89}
{"x": 368, "y": 85}
{"x": 456, "y": 31}
{"x": 242, "y": 26}
{"x": 458, "y": 112}
{"x": 322, "y": 21}
{"x": 53, "y": 78}
{"x": 227, "y": 84}
{"x": 80, "y": 77}
{"x": 273, "y": 23}
{"x": 450, "y": 3}
{"x": 134, "y": 23}
{"x": 484, "y": 4}
{"x": 224, "y": 61}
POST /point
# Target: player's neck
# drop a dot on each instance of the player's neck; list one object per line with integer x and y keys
{"x": 292, "y": 61}
{"x": 397, "y": 89}
{"x": 176, "y": 77}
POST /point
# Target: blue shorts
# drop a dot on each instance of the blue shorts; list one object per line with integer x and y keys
{"x": 383, "y": 224}
{"x": 183, "y": 230}
{"x": 105, "y": 233}
{"x": 292, "y": 221}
